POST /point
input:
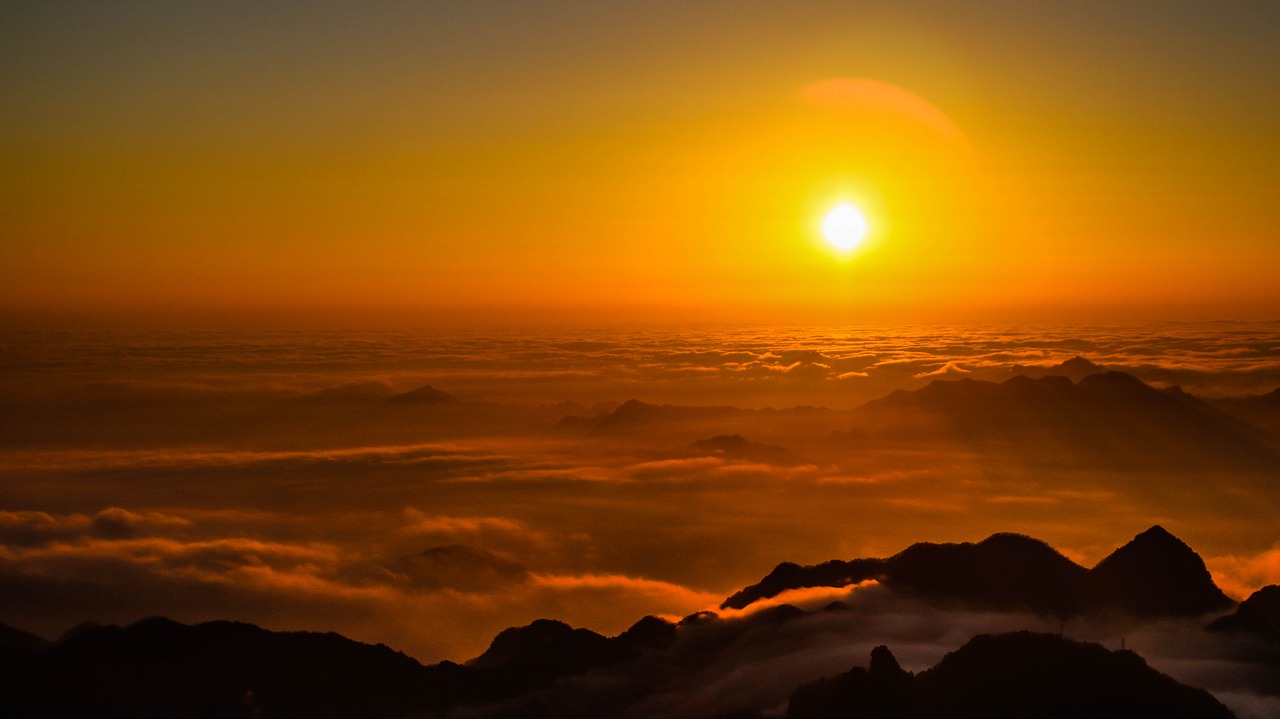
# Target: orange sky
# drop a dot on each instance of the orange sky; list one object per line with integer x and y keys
{"x": 398, "y": 162}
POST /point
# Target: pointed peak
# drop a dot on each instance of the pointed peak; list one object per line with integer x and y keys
{"x": 883, "y": 663}
{"x": 1157, "y": 573}
{"x": 1079, "y": 362}
{"x": 1073, "y": 370}
{"x": 1153, "y": 543}
{"x": 1158, "y": 532}
{"x": 426, "y": 394}
{"x": 1157, "y": 537}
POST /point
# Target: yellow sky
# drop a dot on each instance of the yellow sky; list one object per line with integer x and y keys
{"x": 416, "y": 163}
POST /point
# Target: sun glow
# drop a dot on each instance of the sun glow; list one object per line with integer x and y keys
{"x": 844, "y": 227}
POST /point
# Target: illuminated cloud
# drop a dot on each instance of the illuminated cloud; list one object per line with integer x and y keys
{"x": 299, "y": 514}
{"x": 1242, "y": 575}
{"x": 947, "y": 370}
{"x": 809, "y": 598}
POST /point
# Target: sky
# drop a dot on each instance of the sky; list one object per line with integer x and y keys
{"x": 402, "y": 163}
{"x": 596, "y": 229}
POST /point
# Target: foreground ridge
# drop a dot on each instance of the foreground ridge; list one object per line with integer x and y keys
{"x": 1009, "y": 675}
{"x": 1155, "y": 574}
{"x": 551, "y": 670}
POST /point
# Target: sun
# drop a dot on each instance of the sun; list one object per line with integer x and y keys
{"x": 844, "y": 227}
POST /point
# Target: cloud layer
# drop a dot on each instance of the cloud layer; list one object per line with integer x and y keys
{"x": 200, "y": 476}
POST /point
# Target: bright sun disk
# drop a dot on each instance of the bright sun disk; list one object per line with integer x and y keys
{"x": 844, "y": 227}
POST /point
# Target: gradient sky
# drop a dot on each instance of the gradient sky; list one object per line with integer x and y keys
{"x": 417, "y": 162}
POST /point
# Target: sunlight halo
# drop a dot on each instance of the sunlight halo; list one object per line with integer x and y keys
{"x": 844, "y": 227}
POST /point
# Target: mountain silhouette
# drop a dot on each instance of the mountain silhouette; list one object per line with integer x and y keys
{"x": 371, "y": 392}
{"x": 548, "y": 669}
{"x": 159, "y": 668}
{"x": 546, "y": 641}
{"x": 1155, "y": 574}
{"x": 1018, "y": 676}
{"x": 1004, "y": 570}
{"x": 426, "y": 394}
{"x": 1108, "y": 419}
{"x": 1258, "y": 615}
{"x": 551, "y": 670}
{"x": 17, "y": 650}
{"x": 883, "y": 690}
{"x": 1260, "y": 410}
{"x": 648, "y": 633}
{"x": 14, "y": 638}
{"x": 522, "y": 659}
{"x": 1074, "y": 369}
{"x": 634, "y": 413}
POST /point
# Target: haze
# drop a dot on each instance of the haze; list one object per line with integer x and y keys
{"x": 418, "y": 321}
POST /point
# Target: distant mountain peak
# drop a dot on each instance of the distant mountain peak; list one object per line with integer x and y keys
{"x": 1078, "y": 364}
{"x": 1106, "y": 419}
{"x": 1074, "y": 369}
{"x": 426, "y": 394}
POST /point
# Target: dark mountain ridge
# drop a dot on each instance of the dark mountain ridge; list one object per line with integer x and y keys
{"x": 1258, "y": 615}
{"x": 14, "y": 638}
{"x": 1077, "y": 413}
{"x": 1155, "y": 574}
{"x": 1011, "y": 676}
{"x": 1074, "y": 369}
{"x": 159, "y": 668}
{"x": 1108, "y": 418}
{"x": 1259, "y": 410}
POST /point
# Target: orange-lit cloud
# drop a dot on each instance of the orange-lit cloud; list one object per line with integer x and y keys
{"x": 1242, "y": 575}
{"x": 805, "y": 598}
